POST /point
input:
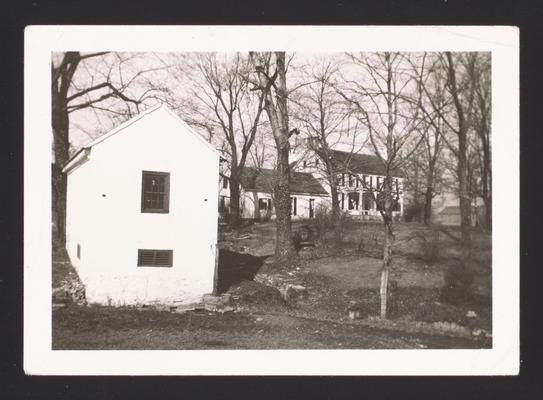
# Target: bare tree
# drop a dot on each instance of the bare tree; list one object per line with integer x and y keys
{"x": 378, "y": 97}
{"x": 481, "y": 78}
{"x": 271, "y": 72}
{"x": 430, "y": 89}
{"x": 103, "y": 81}
{"x": 324, "y": 116}
{"x": 229, "y": 110}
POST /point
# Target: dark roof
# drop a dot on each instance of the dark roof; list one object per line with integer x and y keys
{"x": 359, "y": 163}
{"x": 262, "y": 180}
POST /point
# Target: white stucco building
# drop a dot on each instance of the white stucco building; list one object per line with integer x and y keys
{"x": 142, "y": 212}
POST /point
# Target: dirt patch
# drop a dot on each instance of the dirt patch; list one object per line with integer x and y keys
{"x": 249, "y": 294}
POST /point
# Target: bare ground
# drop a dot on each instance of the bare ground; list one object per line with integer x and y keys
{"x": 334, "y": 281}
{"x": 127, "y": 329}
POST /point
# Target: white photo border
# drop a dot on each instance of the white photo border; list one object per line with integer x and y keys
{"x": 41, "y": 41}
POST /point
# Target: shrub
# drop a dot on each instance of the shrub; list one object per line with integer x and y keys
{"x": 371, "y": 242}
{"x": 458, "y": 285}
{"x": 324, "y": 223}
{"x": 431, "y": 246}
{"x": 413, "y": 212}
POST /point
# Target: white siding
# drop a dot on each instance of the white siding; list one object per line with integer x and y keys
{"x": 115, "y": 228}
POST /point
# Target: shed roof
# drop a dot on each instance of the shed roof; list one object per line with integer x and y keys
{"x": 262, "y": 180}
{"x": 360, "y": 163}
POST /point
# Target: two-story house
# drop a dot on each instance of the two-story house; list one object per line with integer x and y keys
{"x": 360, "y": 181}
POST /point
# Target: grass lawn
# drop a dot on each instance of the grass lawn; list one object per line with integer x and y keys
{"x": 334, "y": 280}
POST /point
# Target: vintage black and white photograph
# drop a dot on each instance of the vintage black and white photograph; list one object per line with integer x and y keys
{"x": 271, "y": 199}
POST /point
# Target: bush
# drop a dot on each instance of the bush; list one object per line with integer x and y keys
{"x": 324, "y": 223}
{"x": 431, "y": 245}
{"x": 413, "y": 212}
{"x": 458, "y": 285}
{"x": 371, "y": 242}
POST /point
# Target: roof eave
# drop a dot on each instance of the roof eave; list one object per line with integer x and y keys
{"x": 78, "y": 158}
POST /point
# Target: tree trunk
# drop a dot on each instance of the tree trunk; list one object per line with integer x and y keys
{"x": 462, "y": 167}
{"x": 256, "y": 212}
{"x": 278, "y": 117}
{"x": 428, "y": 195}
{"x": 336, "y": 214}
{"x": 487, "y": 182}
{"x": 284, "y": 250}
{"x": 388, "y": 244}
{"x": 60, "y": 125}
{"x": 234, "y": 217}
{"x": 465, "y": 201}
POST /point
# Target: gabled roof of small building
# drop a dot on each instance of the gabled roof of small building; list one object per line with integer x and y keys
{"x": 359, "y": 163}
{"x": 262, "y": 180}
{"x": 84, "y": 151}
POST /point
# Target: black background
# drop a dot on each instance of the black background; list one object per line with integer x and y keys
{"x": 16, "y": 15}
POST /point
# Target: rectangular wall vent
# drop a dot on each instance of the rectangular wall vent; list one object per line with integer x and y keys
{"x": 155, "y": 258}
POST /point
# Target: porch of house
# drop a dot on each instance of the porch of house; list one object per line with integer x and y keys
{"x": 361, "y": 204}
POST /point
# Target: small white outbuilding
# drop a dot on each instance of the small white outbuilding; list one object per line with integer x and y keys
{"x": 141, "y": 224}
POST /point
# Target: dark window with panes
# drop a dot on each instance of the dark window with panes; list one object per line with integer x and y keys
{"x": 350, "y": 180}
{"x": 264, "y": 204}
{"x": 293, "y": 206}
{"x": 155, "y": 192}
{"x": 354, "y": 200}
{"x": 155, "y": 258}
{"x": 367, "y": 201}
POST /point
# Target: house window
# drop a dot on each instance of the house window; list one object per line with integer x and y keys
{"x": 371, "y": 182}
{"x": 367, "y": 201}
{"x": 364, "y": 180}
{"x": 264, "y": 204}
{"x": 342, "y": 179}
{"x": 354, "y": 200}
{"x": 79, "y": 251}
{"x": 293, "y": 205}
{"x": 225, "y": 182}
{"x": 155, "y": 258}
{"x": 155, "y": 192}
{"x": 350, "y": 180}
{"x": 343, "y": 201}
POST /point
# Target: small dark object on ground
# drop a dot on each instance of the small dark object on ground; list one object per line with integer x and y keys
{"x": 303, "y": 237}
